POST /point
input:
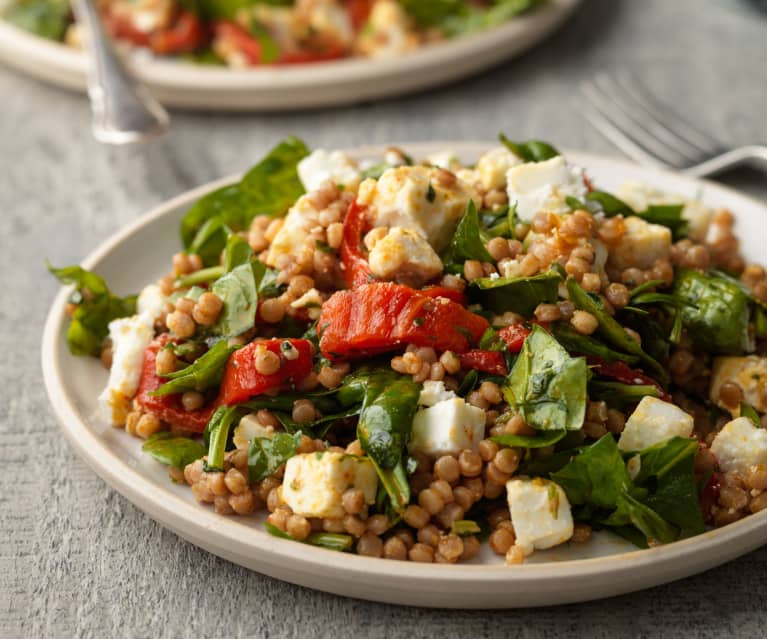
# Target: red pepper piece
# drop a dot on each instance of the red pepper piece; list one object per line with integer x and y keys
{"x": 242, "y": 381}
{"x": 239, "y": 39}
{"x": 380, "y": 317}
{"x": 453, "y": 294}
{"x": 622, "y": 372}
{"x": 492, "y": 362}
{"x": 356, "y": 267}
{"x": 514, "y": 336}
{"x": 186, "y": 34}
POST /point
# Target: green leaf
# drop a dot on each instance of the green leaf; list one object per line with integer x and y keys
{"x": 619, "y": 395}
{"x": 203, "y": 276}
{"x": 236, "y": 253}
{"x": 267, "y": 454}
{"x": 609, "y": 204}
{"x": 217, "y": 435}
{"x": 546, "y": 386}
{"x": 238, "y": 291}
{"x": 330, "y": 541}
{"x": 467, "y": 241}
{"x": 206, "y": 372}
{"x": 632, "y": 511}
{"x": 530, "y": 151}
{"x": 233, "y": 207}
{"x": 46, "y": 18}
{"x": 210, "y": 240}
{"x": 716, "y": 314}
{"x": 542, "y": 440}
{"x": 746, "y": 410}
{"x": 96, "y": 307}
{"x": 669, "y": 215}
{"x": 518, "y": 294}
{"x": 465, "y": 527}
{"x": 270, "y": 50}
{"x": 574, "y": 342}
{"x": 173, "y": 450}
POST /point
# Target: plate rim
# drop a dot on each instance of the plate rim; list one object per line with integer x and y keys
{"x": 179, "y": 515}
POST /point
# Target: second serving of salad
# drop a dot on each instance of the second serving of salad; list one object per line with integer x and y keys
{"x": 406, "y": 358}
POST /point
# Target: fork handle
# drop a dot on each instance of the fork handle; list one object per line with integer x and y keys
{"x": 123, "y": 110}
{"x": 754, "y": 154}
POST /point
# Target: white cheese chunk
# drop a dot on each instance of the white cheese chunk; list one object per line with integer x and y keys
{"x": 641, "y": 245}
{"x": 749, "y": 373}
{"x": 291, "y": 239}
{"x": 410, "y": 197}
{"x": 404, "y": 256}
{"x": 493, "y": 166}
{"x": 740, "y": 445}
{"x": 447, "y": 428}
{"x": 250, "y": 428}
{"x": 388, "y": 31}
{"x": 652, "y": 422}
{"x": 332, "y": 21}
{"x": 544, "y": 186}
{"x": 433, "y": 393}
{"x": 540, "y": 513}
{"x": 311, "y": 301}
{"x": 314, "y": 483}
{"x": 444, "y": 160}
{"x": 321, "y": 165}
{"x": 151, "y": 301}
{"x": 130, "y": 336}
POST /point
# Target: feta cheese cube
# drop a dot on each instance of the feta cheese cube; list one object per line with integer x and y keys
{"x": 447, "y": 428}
{"x": 749, "y": 373}
{"x": 493, "y": 166}
{"x": 444, "y": 160}
{"x": 540, "y": 513}
{"x": 404, "y": 256}
{"x": 314, "y": 483}
{"x": 311, "y": 301}
{"x": 291, "y": 239}
{"x": 151, "y": 301}
{"x": 130, "y": 336}
{"x": 433, "y": 393}
{"x": 248, "y": 429}
{"x": 410, "y": 197}
{"x": 321, "y": 165}
{"x": 544, "y": 186}
{"x": 641, "y": 244}
{"x": 654, "y": 421}
{"x": 740, "y": 445}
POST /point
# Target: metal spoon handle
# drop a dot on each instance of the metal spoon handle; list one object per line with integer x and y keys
{"x": 123, "y": 110}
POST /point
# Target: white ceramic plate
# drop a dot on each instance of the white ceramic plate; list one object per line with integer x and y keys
{"x": 296, "y": 86}
{"x": 603, "y": 567}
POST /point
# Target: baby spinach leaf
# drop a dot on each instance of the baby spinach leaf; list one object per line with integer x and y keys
{"x": 217, "y": 435}
{"x": 319, "y": 427}
{"x": 203, "y": 276}
{"x": 618, "y": 394}
{"x": 46, "y": 18}
{"x": 631, "y": 511}
{"x": 233, "y": 207}
{"x": 610, "y": 204}
{"x": 238, "y": 291}
{"x": 546, "y": 386}
{"x": 237, "y": 252}
{"x": 206, "y": 372}
{"x": 542, "y": 440}
{"x": 530, "y": 151}
{"x": 173, "y": 450}
{"x": 467, "y": 243}
{"x": 574, "y": 342}
{"x": 210, "y": 240}
{"x": 96, "y": 306}
{"x": 669, "y": 215}
{"x": 267, "y": 454}
{"x": 716, "y": 313}
{"x": 518, "y": 294}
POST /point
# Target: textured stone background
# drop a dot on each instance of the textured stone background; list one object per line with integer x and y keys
{"x": 76, "y": 559}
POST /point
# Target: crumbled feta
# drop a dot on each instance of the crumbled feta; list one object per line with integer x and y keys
{"x": 444, "y": 160}
{"x": 447, "y": 428}
{"x": 151, "y": 301}
{"x": 544, "y": 186}
{"x": 641, "y": 196}
{"x": 433, "y": 393}
{"x": 248, "y": 429}
{"x": 540, "y": 513}
{"x": 409, "y": 197}
{"x": 321, "y": 165}
{"x": 404, "y": 256}
{"x": 130, "y": 336}
{"x": 749, "y": 373}
{"x": 314, "y": 483}
{"x": 641, "y": 245}
{"x": 654, "y": 421}
{"x": 311, "y": 301}
{"x": 291, "y": 239}
{"x": 388, "y": 31}
{"x": 332, "y": 20}
{"x": 493, "y": 166}
{"x": 740, "y": 445}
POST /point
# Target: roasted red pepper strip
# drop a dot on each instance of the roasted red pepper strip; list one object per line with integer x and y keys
{"x": 122, "y": 29}
{"x": 242, "y": 381}
{"x": 359, "y": 12}
{"x": 356, "y": 267}
{"x": 492, "y": 362}
{"x": 186, "y": 34}
{"x": 167, "y": 407}
{"x": 622, "y": 372}
{"x": 380, "y": 317}
{"x": 453, "y": 294}
{"x": 514, "y": 336}
{"x": 239, "y": 39}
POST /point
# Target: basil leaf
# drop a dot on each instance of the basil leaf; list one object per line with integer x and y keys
{"x": 206, "y": 372}
{"x": 46, "y": 18}
{"x": 518, "y": 294}
{"x": 530, "y": 151}
{"x": 716, "y": 314}
{"x": 546, "y": 386}
{"x": 467, "y": 241}
{"x": 542, "y": 440}
{"x": 173, "y": 450}
{"x": 267, "y": 454}
{"x": 96, "y": 307}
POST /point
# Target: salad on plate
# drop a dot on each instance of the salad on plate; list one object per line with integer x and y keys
{"x": 406, "y": 358}
{"x": 247, "y": 33}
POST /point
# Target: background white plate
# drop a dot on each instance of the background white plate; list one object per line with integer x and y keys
{"x": 606, "y": 566}
{"x": 294, "y": 86}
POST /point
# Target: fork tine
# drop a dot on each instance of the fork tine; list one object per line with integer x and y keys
{"x": 677, "y": 125}
{"x": 638, "y": 113}
{"x": 620, "y": 139}
{"x": 639, "y": 136}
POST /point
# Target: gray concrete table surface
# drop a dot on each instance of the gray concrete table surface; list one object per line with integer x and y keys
{"x": 77, "y": 559}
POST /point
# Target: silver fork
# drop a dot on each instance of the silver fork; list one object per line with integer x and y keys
{"x": 652, "y": 134}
